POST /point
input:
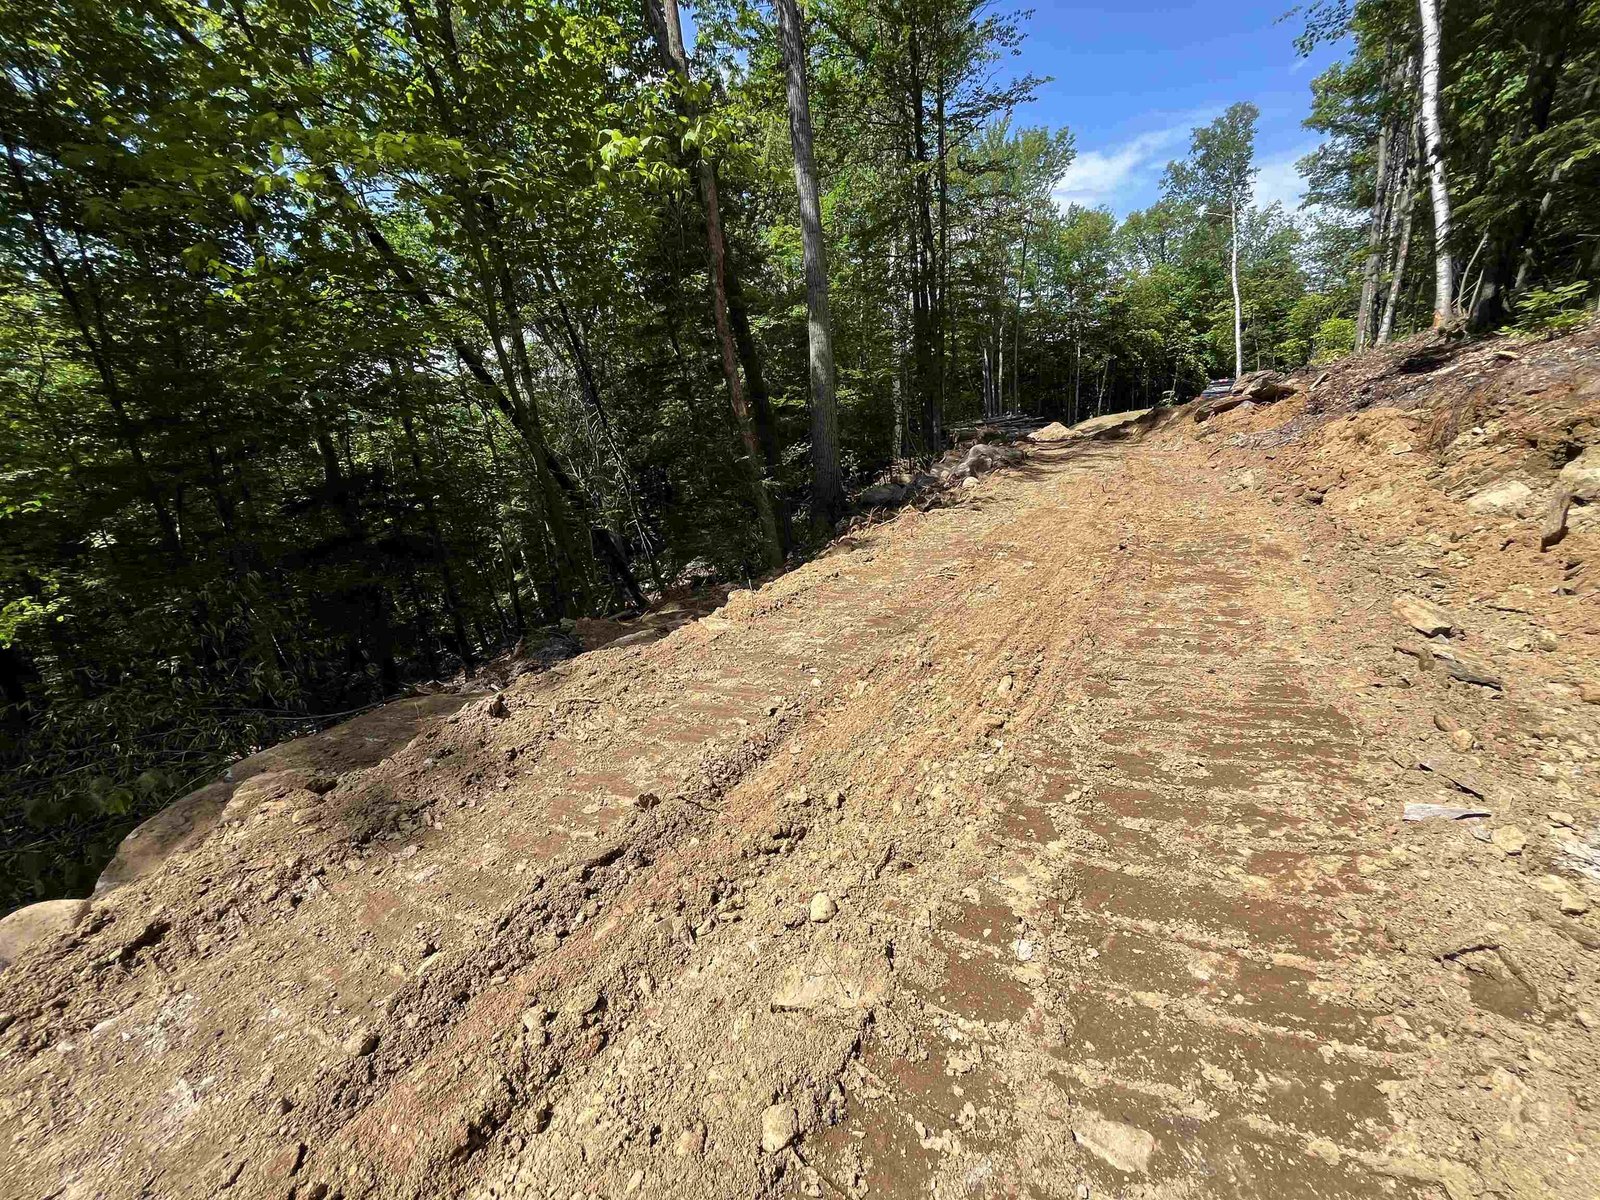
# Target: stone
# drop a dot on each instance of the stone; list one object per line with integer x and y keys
{"x": 1424, "y": 616}
{"x": 691, "y": 1143}
{"x": 180, "y": 825}
{"x": 1558, "y": 817}
{"x": 1509, "y": 839}
{"x": 1444, "y": 812}
{"x": 496, "y": 708}
{"x": 1574, "y": 903}
{"x": 1124, "y": 1147}
{"x": 1589, "y": 693}
{"x": 1581, "y": 476}
{"x": 361, "y": 1043}
{"x": 1507, "y": 497}
{"x": 35, "y": 924}
{"x": 968, "y": 484}
{"x": 779, "y": 1126}
{"x": 1005, "y": 685}
{"x": 1461, "y": 739}
{"x": 834, "y": 978}
{"x": 880, "y": 495}
{"x": 287, "y": 1161}
{"x": 823, "y": 908}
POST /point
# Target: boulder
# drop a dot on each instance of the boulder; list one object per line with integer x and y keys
{"x": 1580, "y": 478}
{"x": 881, "y": 495}
{"x": 36, "y": 923}
{"x": 182, "y": 824}
{"x": 1262, "y": 387}
{"x": 1509, "y": 496}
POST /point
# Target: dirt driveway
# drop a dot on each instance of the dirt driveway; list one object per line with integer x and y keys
{"x": 1048, "y": 844}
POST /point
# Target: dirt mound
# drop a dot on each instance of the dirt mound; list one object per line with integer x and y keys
{"x": 1053, "y": 432}
{"x": 1112, "y": 834}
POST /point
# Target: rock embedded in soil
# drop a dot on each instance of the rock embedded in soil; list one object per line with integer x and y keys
{"x": 35, "y": 923}
{"x": 1426, "y": 617}
{"x": 691, "y": 1142}
{"x": 779, "y": 1126}
{"x": 823, "y": 908}
{"x": 1509, "y": 839}
{"x": 361, "y": 1043}
{"x": 1123, "y": 1146}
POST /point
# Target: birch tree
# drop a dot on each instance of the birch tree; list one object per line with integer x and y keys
{"x": 1218, "y": 177}
{"x": 1445, "y": 312}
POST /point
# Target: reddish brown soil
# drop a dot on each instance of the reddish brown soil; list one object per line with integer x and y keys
{"x": 1102, "y": 767}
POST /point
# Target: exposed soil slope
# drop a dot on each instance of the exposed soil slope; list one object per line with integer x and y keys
{"x": 1048, "y": 843}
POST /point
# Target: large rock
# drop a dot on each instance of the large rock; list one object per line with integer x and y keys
{"x": 182, "y": 824}
{"x": 1580, "y": 478}
{"x": 1262, "y": 387}
{"x": 1426, "y": 617}
{"x": 881, "y": 495}
{"x": 983, "y": 458}
{"x": 1258, "y": 387}
{"x": 1578, "y": 483}
{"x": 34, "y": 924}
{"x": 1509, "y": 496}
{"x": 1125, "y": 1147}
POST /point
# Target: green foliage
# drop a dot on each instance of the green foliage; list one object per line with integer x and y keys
{"x": 1553, "y": 311}
{"x": 1521, "y": 118}
{"x": 1335, "y": 338}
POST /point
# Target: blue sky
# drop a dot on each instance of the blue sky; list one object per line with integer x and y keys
{"x": 1131, "y": 80}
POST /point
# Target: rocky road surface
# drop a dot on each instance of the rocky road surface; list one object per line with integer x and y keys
{"x": 1045, "y": 844}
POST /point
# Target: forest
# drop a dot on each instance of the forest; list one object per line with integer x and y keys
{"x": 347, "y": 344}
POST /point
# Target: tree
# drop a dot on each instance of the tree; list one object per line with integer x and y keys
{"x": 1217, "y": 177}
{"x": 669, "y": 38}
{"x": 1444, "y": 275}
{"x": 827, "y": 490}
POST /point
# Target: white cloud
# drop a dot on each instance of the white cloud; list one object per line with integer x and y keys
{"x": 1106, "y": 176}
{"x": 1279, "y": 179}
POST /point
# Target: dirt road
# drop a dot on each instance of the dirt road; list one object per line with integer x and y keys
{"x": 1047, "y": 844}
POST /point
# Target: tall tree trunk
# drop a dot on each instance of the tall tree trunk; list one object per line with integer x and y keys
{"x": 1408, "y": 201}
{"x": 1372, "y": 267}
{"x": 827, "y": 489}
{"x": 1016, "y": 328}
{"x": 926, "y": 256}
{"x": 755, "y": 378}
{"x": 668, "y": 32}
{"x": 1233, "y": 265}
{"x": 1445, "y": 311}
{"x": 942, "y": 308}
